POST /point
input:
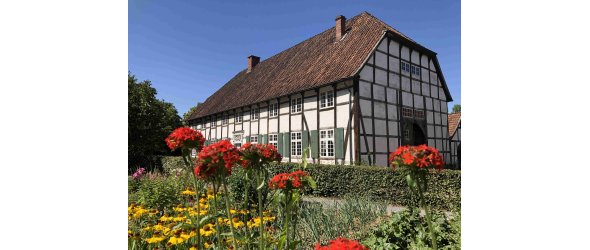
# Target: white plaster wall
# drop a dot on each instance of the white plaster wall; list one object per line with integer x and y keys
{"x": 284, "y": 107}
{"x": 433, "y": 79}
{"x": 429, "y": 117}
{"x": 391, "y": 95}
{"x": 392, "y": 112}
{"x": 254, "y": 125}
{"x": 381, "y": 160}
{"x": 393, "y": 128}
{"x": 342, "y": 115}
{"x": 394, "y": 48}
{"x": 310, "y": 93}
{"x": 378, "y": 92}
{"x": 381, "y": 76}
{"x": 380, "y": 128}
{"x": 367, "y": 73}
{"x": 327, "y": 118}
{"x": 424, "y": 61}
{"x": 418, "y": 101}
{"x": 342, "y": 96}
{"x": 310, "y": 103}
{"x": 405, "y": 53}
{"x": 383, "y": 45}
{"x": 425, "y": 89}
{"x": 296, "y": 122}
{"x": 379, "y": 111}
{"x": 406, "y": 84}
{"x": 415, "y": 57}
{"x": 369, "y": 141}
{"x": 263, "y": 127}
{"x": 311, "y": 119}
{"x": 415, "y": 87}
{"x": 394, "y": 81}
{"x": 393, "y": 144}
{"x": 394, "y": 64}
{"x": 364, "y": 89}
{"x": 368, "y": 123}
{"x": 272, "y": 123}
{"x": 436, "y": 105}
{"x": 365, "y": 107}
{"x": 381, "y": 59}
{"x": 431, "y": 63}
{"x": 407, "y": 99}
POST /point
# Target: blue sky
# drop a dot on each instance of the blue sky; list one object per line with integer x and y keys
{"x": 189, "y": 49}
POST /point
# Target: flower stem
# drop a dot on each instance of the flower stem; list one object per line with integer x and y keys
{"x": 428, "y": 217}
{"x": 231, "y": 221}
{"x": 287, "y": 216}
{"x": 260, "y": 213}
{"x": 216, "y": 212}
{"x": 198, "y": 201}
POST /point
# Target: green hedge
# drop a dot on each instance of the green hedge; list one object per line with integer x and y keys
{"x": 444, "y": 187}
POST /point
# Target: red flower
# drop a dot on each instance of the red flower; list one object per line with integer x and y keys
{"x": 420, "y": 156}
{"x": 217, "y": 158}
{"x": 185, "y": 137}
{"x": 341, "y": 244}
{"x": 257, "y": 155}
{"x": 288, "y": 180}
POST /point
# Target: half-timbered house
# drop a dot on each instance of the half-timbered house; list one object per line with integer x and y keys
{"x": 455, "y": 139}
{"x": 352, "y": 93}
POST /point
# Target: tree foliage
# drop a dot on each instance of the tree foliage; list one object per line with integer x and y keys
{"x": 188, "y": 114}
{"x": 149, "y": 122}
{"x": 456, "y": 108}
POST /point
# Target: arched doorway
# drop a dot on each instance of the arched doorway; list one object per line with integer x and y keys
{"x": 413, "y": 134}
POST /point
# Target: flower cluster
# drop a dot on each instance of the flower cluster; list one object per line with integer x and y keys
{"x": 218, "y": 158}
{"x": 288, "y": 180}
{"x": 341, "y": 244}
{"x": 185, "y": 137}
{"x": 138, "y": 173}
{"x": 257, "y": 155}
{"x": 419, "y": 156}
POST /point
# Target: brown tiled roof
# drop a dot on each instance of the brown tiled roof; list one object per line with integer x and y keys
{"x": 317, "y": 61}
{"x": 454, "y": 120}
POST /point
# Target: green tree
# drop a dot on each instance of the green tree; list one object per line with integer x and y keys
{"x": 188, "y": 114}
{"x": 149, "y": 122}
{"x": 456, "y": 108}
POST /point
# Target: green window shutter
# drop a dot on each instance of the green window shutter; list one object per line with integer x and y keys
{"x": 260, "y": 139}
{"x": 265, "y": 139}
{"x": 339, "y": 140}
{"x": 304, "y": 141}
{"x": 287, "y": 144}
{"x": 315, "y": 153}
{"x": 280, "y": 143}
{"x": 247, "y": 139}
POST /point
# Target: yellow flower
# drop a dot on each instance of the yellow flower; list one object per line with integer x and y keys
{"x": 180, "y": 218}
{"x": 237, "y": 223}
{"x": 186, "y": 236}
{"x": 188, "y": 192}
{"x": 154, "y": 239}
{"x": 254, "y": 222}
{"x": 208, "y": 244}
{"x": 207, "y": 230}
{"x": 175, "y": 240}
{"x": 223, "y": 221}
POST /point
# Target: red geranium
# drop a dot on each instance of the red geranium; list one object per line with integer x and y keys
{"x": 288, "y": 180}
{"x": 420, "y": 156}
{"x": 185, "y": 137}
{"x": 217, "y": 158}
{"x": 257, "y": 155}
{"x": 341, "y": 244}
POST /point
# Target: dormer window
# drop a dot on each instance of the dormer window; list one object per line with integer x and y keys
{"x": 296, "y": 105}
{"x": 327, "y": 99}
{"x": 254, "y": 114}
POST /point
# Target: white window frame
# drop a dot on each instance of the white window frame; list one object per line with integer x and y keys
{"x": 296, "y": 105}
{"x": 238, "y": 117}
{"x": 274, "y": 140}
{"x": 225, "y": 119}
{"x": 273, "y": 110}
{"x": 406, "y": 66}
{"x": 327, "y": 145}
{"x": 327, "y": 99}
{"x": 254, "y": 139}
{"x": 254, "y": 114}
{"x": 296, "y": 144}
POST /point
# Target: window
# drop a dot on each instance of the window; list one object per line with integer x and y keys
{"x": 254, "y": 113}
{"x": 415, "y": 70}
{"x": 405, "y": 67}
{"x": 273, "y": 109}
{"x": 407, "y": 134}
{"x": 225, "y": 119}
{"x": 326, "y": 99}
{"x": 419, "y": 114}
{"x": 407, "y": 112}
{"x": 296, "y": 143}
{"x": 238, "y": 117}
{"x": 274, "y": 140}
{"x": 296, "y": 105}
{"x": 327, "y": 142}
{"x": 254, "y": 139}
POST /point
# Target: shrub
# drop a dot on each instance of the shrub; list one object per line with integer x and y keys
{"x": 157, "y": 191}
{"x": 444, "y": 187}
{"x": 408, "y": 230}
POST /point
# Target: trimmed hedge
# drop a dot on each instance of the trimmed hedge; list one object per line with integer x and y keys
{"x": 444, "y": 187}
